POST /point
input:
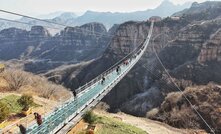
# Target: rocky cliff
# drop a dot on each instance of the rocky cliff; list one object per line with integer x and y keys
{"x": 211, "y": 50}
{"x": 40, "y": 51}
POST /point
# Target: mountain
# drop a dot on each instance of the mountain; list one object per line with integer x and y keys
{"x": 198, "y": 11}
{"x": 40, "y": 51}
{"x": 109, "y": 18}
{"x": 64, "y": 17}
{"x": 50, "y": 15}
{"x": 106, "y": 18}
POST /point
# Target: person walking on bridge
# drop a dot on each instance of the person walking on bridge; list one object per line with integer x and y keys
{"x": 22, "y": 128}
{"x": 38, "y": 118}
{"x": 118, "y": 69}
{"x": 75, "y": 94}
{"x": 103, "y": 80}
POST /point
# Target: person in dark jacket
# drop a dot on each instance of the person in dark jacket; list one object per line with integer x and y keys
{"x": 103, "y": 80}
{"x": 38, "y": 118}
{"x": 22, "y": 128}
{"x": 118, "y": 70}
{"x": 74, "y": 93}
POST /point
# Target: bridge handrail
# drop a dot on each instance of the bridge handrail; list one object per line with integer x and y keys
{"x": 99, "y": 77}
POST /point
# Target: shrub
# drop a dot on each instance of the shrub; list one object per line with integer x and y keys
{"x": 16, "y": 79}
{"x": 4, "y": 111}
{"x": 19, "y": 81}
{"x": 89, "y": 117}
{"x": 153, "y": 112}
{"x": 25, "y": 101}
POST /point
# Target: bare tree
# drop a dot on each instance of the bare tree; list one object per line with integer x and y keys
{"x": 40, "y": 85}
{"x": 16, "y": 79}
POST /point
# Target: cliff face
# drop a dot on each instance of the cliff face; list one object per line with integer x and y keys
{"x": 77, "y": 44}
{"x": 195, "y": 59}
{"x": 20, "y": 40}
{"x": 41, "y": 52}
{"x": 211, "y": 50}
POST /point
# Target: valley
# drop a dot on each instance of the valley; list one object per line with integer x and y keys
{"x": 176, "y": 81}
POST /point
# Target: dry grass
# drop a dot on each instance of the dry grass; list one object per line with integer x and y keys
{"x": 24, "y": 82}
{"x": 152, "y": 112}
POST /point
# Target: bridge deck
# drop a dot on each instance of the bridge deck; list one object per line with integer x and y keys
{"x": 61, "y": 114}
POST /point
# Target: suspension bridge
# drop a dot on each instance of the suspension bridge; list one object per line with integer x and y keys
{"x": 69, "y": 113}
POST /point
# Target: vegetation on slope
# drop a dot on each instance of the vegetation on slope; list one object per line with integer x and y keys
{"x": 177, "y": 112}
{"x": 113, "y": 126}
{"x": 4, "y": 111}
{"x": 11, "y": 101}
{"x": 24, "y": 82}
{"x": 107, "y": 125}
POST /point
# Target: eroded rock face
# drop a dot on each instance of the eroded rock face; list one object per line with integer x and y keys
{"x": 211, "y": 49}
{"x": 41, "y": 51}
{"x": 39, "y": 31}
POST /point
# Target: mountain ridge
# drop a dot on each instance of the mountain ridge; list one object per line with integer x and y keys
{"x": 106, "y": 18}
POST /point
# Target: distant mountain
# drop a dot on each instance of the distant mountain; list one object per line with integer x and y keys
{"x": 201, "y": 11}
{"x": 66, "y": 16}
{"x": 50, "y": 15}
{"x": 166, "y": 8}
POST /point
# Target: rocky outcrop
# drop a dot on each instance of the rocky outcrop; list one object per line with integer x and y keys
{"x": 39, "y": 31}
{"x": 211, "y": 49}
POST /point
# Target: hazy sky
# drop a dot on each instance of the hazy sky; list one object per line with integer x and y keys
{"x": 38, "y": 7}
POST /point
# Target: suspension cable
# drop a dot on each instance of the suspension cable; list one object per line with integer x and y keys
{"x": 47, "y": 21}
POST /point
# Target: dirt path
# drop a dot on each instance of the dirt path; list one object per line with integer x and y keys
{"x": 150, "y": 126}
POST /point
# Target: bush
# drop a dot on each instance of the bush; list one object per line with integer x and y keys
{"x": 153, "y": 112}
{"x": 25, "y": 101}
{"x": 16, "y": 79}
{"x": 89, "y": 117}
{"x": 4, "y": 111}
{"x": 21, "y": 81}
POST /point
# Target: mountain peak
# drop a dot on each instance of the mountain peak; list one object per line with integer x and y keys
{"x": 166, "y": 4}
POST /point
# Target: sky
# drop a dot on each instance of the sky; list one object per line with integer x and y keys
{"x": 39, "y": 7}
